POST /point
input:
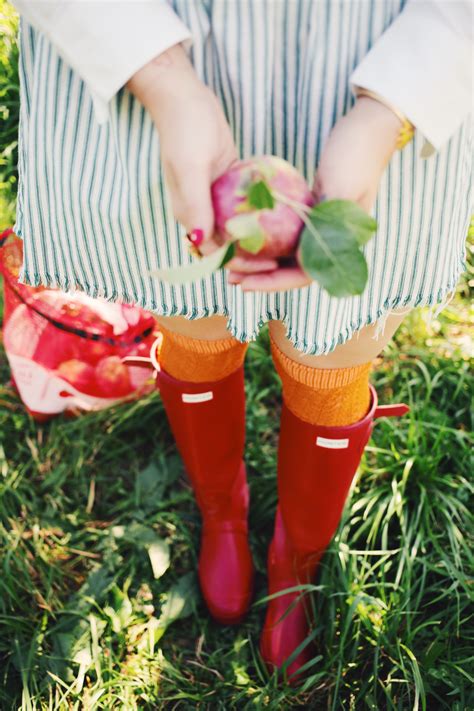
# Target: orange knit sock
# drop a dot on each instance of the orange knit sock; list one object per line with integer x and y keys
{"x": 200, "y": 361}
{"x": 332, "y": 397}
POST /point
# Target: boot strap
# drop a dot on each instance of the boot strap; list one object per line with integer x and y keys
{"x": 391, "y": 410}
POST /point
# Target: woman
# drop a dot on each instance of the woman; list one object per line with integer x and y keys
{"x": 112, "y": 178}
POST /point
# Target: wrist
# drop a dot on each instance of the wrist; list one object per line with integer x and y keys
{"x": 380, "y": 119}
{"x": 167, "y": 75}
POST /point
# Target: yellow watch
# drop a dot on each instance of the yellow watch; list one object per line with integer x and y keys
{"x": 407, "y": 129}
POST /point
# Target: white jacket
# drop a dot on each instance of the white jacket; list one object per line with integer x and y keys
{"x": 422, "y": 64}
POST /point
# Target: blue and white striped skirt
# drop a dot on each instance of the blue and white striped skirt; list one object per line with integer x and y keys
{"x": 93, "y": 208}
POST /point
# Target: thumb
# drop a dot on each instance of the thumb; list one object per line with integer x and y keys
{"x": 192, "y": 206}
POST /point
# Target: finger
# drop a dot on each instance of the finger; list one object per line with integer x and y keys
{"x": 319, "y": 191}
{"x": 280, "y": 280}
{"x": 192, "y": 205}
{"x": 251, "y": 266}
{"x": 235, "y": 277}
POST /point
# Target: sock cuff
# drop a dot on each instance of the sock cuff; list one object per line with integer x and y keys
{"x": 316, "y": 378}
{"x": 202, "y": 346}
{"x": 198, "y": 360}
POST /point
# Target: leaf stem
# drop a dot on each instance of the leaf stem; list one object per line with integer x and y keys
{"x": 297, "y": 206}
{"x": 302, "y": 211}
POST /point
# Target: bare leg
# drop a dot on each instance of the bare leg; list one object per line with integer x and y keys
{"x": 212, "y": 328}
{"x": 362, "y": 347}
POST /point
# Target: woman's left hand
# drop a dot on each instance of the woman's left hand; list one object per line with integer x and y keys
{"x": 352, "y": 164}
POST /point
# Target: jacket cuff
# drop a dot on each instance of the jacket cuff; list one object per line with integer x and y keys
{"x": 422, "y": 65}
{"x": 105, "y": 43}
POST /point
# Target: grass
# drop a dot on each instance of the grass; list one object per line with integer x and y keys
{"x": 88, "y": 505}
{"x": 99, "y": 606}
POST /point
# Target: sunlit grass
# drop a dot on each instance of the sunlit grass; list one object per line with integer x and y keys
{"x": 86, "y": 504}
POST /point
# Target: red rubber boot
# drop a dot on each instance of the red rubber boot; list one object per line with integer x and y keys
{"x": 208, "y": 423}
{"x": 316, "y": 466}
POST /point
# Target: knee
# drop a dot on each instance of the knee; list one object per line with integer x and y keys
{"x": 364, "y": 346}
{"x": 212, "y": 328}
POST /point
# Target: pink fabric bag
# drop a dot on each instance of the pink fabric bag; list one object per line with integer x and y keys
{"x": 68, "y": 352}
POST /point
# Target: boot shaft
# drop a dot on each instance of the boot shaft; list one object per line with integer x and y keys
{"x": 316, "y": 467}
{"x": 208, "y": 424}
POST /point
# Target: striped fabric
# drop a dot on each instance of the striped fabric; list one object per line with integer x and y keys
{"x": 93, "y": 209}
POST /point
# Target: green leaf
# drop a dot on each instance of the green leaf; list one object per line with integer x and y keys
{"x": 260, "y": 196}
{"x": 144, "y": 537}
{"x": 330, "y": 244}
{"x": 192, "y": 272}
{"x": 339, "y": 267}
{"x": 252, "y": 244}
{"x": 159, "y": 554}
{"x": 179, "y": 600}
{"x": 148, "y": 486}
{"x": 347, "y": 215}
{"x": 229, "y": 254}
{"x": 152, "y": 481}
{"x": 93, "y": 590}
{"x": 120, "y": 610}
{"x": 246, "y": 230}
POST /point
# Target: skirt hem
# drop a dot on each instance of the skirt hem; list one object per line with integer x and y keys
{"x": 439, "y": 300}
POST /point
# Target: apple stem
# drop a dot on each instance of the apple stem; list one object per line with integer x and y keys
{"x": 298, "y": 207}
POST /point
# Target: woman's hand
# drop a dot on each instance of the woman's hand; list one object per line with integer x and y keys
{"x": 351, "y": 166}
{"x": 357, "y": 153}
{"x": 195, "y": 140}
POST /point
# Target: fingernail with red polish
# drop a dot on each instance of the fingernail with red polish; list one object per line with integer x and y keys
{"x": 233, "y": 278}
{"x": 196, "y": 237}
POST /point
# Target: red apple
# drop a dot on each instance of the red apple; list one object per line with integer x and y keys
{"x": 112, "y": 377}
{"x": 79, "y": 374}
{"x": 56, "y": 346}
{"x": 278, "y": 226}
{"x": 94, "y": 351}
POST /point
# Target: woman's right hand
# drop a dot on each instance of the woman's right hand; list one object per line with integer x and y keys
{"x": 195, "y": 139}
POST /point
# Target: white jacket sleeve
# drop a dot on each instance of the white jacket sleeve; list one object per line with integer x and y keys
{"x": 423, "y": 65}
{"x": 105, "y": 41}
